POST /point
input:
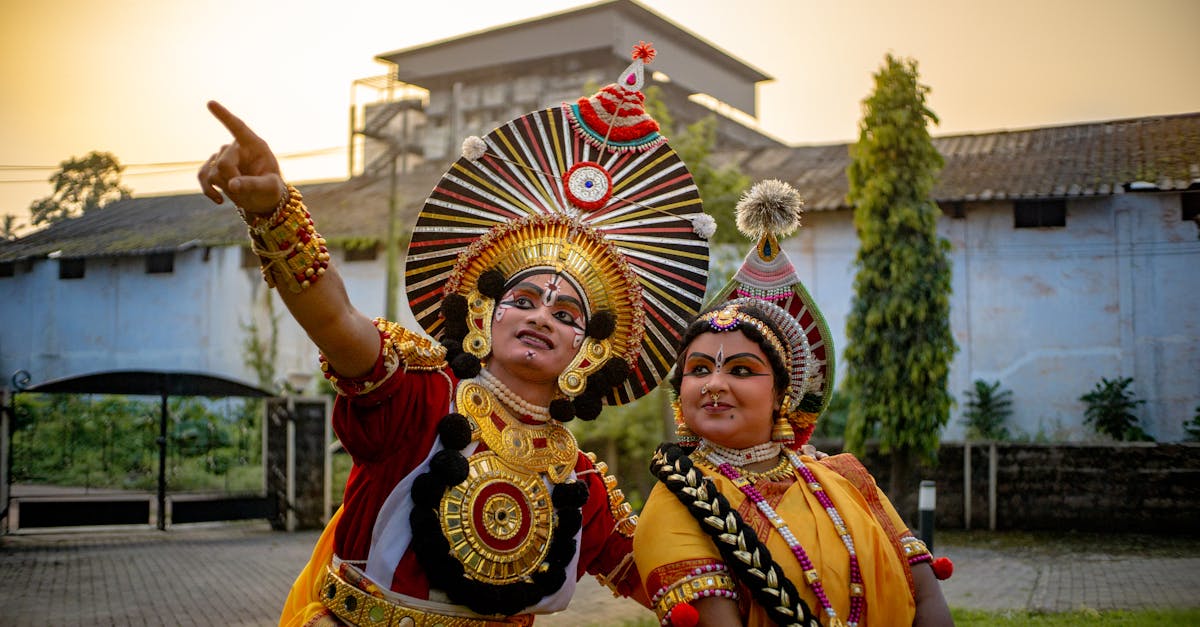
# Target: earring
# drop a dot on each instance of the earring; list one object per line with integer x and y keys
{"x": 589, "y": 359}
{"x": 782, "y": 431}
{"x": 683, "y": 434}
{"x": 478, "y": 341}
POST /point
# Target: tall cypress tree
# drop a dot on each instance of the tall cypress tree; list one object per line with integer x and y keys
{"x": 898, "y": 330}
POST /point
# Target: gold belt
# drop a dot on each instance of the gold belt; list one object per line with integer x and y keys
{"x": 354, "y": 606}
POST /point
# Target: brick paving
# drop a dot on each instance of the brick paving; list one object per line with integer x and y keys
{"x": 238, "y": 574}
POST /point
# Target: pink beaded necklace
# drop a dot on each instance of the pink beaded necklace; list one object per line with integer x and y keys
{"x": 858, "y": 602}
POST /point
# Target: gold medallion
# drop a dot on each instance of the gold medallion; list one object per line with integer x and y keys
{"x": 543, "y": 448}
{"x": 499, "y": 521}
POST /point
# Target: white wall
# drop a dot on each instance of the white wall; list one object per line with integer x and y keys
{"x": 1048, "y": 312}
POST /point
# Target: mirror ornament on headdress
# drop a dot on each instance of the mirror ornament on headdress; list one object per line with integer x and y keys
{"x": 590, "y": 189}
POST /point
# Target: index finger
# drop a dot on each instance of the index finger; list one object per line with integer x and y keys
{"x": 233, "y": 123}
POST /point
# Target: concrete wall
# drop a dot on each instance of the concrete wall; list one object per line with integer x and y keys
{"x": 1049, "y": 311}
{"x": 1133, "y": 487}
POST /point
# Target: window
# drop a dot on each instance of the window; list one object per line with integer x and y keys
{"x": 1189, "y": 204}
{"x": 7, "y": 269}
{"x": 160, "y": 263}
{"x": 1029, "y": 214}
{"x": 362, "y": 254}
{"x": 70, "y": 268}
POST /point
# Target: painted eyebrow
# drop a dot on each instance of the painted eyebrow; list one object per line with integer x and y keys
{"x": 525, "y": 285}
{"x": 727, "y": 359}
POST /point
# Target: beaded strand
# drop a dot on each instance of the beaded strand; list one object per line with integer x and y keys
{"x": 510, "y": 398}
{"x": 738, "y": 457}
{"x": 858, "y": 602}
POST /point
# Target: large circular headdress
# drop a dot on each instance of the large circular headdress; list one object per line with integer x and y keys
{"x": 768, "y": 211}
{"x": 556, "y": 188}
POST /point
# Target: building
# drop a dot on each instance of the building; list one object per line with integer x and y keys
{"x": 1072, "y": 245}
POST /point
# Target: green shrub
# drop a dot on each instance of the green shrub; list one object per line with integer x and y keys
{"x": 987, "y": 408}
{"x": 1193, "y": 428}
{"x": 1110, "y": 407}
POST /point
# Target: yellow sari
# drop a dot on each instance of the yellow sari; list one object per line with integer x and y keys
{"x": 303, "y": 607}
{"x": 669, "y": 542}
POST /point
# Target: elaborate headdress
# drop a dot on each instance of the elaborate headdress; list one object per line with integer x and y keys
{"x": 589, "y": 190}
{"x": 766, "y": 286}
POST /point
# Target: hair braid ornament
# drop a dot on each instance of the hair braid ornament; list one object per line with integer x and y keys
{"x": 745, "y": 555}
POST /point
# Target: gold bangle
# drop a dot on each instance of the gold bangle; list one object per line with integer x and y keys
{"x": 288, "y": 245}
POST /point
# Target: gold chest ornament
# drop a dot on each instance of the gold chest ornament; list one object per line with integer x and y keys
{"x": 500, "y": 520}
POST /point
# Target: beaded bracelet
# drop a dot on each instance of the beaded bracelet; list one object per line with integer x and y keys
{"x": 710, "y": 580}
{"x": 288, "y": 245}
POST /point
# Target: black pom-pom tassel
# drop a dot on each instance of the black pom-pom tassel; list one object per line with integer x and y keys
{"x": 491, "y": 284}
{"x": 427, "y": 490}
{"x": 602, "y": 324}
{"x": 465, "y": 365}
{"x": 449, "y": 466}
{"x": 588, "y": 407}
{"x": 455, "y": 329}
{"x": 562, "y": 410}
{"x": 616, "y": 370}
{"x": 453, "y": 346}
{"x": 569, "y": 495}
{"x": 454, "y": 307}
{"x": 455, "y": 431}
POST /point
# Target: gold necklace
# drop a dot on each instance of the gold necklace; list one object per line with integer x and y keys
{"x": 548, "y": 447}
{"x": 780, "y": 471}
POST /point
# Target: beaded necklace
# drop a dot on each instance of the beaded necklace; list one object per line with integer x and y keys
{"x": 521, "y": 406}
{"x": 742, "y": 456}
{"x": 858, "y": 601}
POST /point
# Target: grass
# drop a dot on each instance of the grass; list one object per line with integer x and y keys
{"x": 1113, "y": 618}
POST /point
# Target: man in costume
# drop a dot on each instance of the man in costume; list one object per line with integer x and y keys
{"x": 552, "y": 268}
{"x": 742, "y": 528}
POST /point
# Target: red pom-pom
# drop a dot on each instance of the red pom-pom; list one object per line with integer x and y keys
{"x": 684, "y": 615}
{"x": 644, "y": 51}
{"x": 942, "y": 568}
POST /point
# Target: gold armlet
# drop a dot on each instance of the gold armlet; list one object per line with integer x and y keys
{"x": 711, "y": 583}
{"x": 288, "y": 245}
{"x": 915, "y": 550}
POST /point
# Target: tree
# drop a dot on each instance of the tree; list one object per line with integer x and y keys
{"x": 898, "y": 330}
{"x": 8, "y": 229}
{"x": 1110, "y": 407}
{"x": 988, "y": 407}
{"x": 81, "y": 185}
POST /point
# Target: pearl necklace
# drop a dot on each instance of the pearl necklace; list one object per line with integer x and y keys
{"x": 519, "y": 405}
{"x": 858, "y": 602}
{"x": 742, "y": 456}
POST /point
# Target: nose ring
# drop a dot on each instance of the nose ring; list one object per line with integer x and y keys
{"x": 713, "y": 395}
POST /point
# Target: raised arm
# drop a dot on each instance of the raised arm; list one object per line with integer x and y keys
{"x": 248, "y": 173}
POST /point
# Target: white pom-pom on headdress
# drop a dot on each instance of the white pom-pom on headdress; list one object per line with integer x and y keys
{"x": 770, "y": 207}
{"x": 473, "y": 148}
{"x": 704, "y": 225}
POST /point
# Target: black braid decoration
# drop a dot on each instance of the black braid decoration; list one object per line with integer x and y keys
{"x": 445, "y": 572}
{"x": 745, "y": 555}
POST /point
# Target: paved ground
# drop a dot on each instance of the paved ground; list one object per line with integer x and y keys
{"x": 239, "y": 575}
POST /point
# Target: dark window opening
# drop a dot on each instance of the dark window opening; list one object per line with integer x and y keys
{"x": 1029, "y": 214}
{"x": 7, "y": 269}
{"x": 160, "y": 263}
{"x": 956, "y": 210}
{"x": 1189, "y": 204}
{"x": 362, "y": 254}
{"x": 70, "y": 268}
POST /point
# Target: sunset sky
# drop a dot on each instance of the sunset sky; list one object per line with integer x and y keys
{"x": 131, "y": 76}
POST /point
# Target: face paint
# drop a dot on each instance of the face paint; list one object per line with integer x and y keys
{"x": 551, "y": 290}
{"x": 719, "y": 362}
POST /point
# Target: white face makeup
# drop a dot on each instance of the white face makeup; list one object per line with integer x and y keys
{"x": 538, "y": 327}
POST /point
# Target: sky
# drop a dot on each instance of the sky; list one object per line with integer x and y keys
{"x": 132, "y": 77}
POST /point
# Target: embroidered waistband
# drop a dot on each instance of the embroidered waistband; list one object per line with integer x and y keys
{"x": 356, "y": 607}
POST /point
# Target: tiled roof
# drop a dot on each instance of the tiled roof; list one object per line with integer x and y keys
{"x": 1080, "y": 160}
{"x": 355, "y": 209}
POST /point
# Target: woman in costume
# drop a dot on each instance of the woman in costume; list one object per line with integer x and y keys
{"x": 553, "y": 265}
{"x": 741, "y": 528}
